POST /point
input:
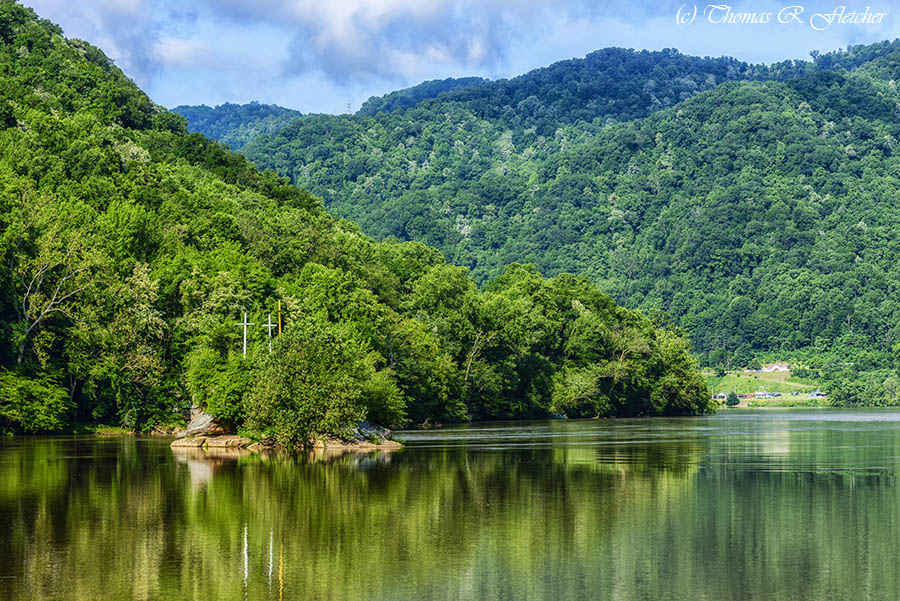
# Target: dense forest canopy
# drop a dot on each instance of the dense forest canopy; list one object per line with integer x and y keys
{"x": 752, "y": 204}
{"x": 130, "y": 251}
{"x": 409, "y": 97}
{"x": 236, "y": 124}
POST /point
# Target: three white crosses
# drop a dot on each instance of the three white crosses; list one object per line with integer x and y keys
{"x": 268, "y": 325}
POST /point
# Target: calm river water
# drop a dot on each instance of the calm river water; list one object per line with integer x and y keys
{"x": 767, "y": 505}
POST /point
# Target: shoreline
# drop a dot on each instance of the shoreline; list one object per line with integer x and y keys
{"x": 235, "y": 442}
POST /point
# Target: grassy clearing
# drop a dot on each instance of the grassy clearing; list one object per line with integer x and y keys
{"x": 742, "y": 383}
{"x": 783, "y": 382}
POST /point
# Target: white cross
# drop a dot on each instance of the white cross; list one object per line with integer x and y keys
{"x": 270, "y": 326}
{"x": 245, "y": 324}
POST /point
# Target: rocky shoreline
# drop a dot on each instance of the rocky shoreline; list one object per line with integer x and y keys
{"x": 204, "y": 432}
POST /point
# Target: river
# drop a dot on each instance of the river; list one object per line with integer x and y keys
{"x": 743, "y": 505}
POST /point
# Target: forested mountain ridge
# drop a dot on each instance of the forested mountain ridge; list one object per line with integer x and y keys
{"x": 612, "y": 84}
{"x": 409, "y": 97}
{"x": 759, "y": 215}
{"x": 484, "y": 134}
{"x": 236, "y": 124}
{"x": 484, "y": 122}
{"x": 131, "y": 252}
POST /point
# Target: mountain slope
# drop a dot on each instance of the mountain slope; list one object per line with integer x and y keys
{"x": 497, "y": 128}
{"x": 236, "y": 124}
{"x": 409, "y": 97}
{"x": 612, "y": 84}
{"x": 134, "y": 256}
{"x": 522, "y": 114}
{"x": 488, "y": 131}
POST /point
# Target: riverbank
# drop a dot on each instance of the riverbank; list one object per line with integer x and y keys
{"x": 787, "y": 403}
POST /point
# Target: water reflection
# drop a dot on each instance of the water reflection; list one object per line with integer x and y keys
{"x": 739, "y": 506}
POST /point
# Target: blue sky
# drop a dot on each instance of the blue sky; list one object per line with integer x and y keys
{"x": 320, "y": 55}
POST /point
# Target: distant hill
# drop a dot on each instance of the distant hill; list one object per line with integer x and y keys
{"x": 236, "y": 124}
{"x": 483, "y": 131}
{"x": 612, "y": 83}
{"x": 409, "y": 97}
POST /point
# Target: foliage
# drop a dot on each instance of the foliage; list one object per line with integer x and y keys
{"x": 613, "y": 84}
{"x": 409, "y": 97}
{"x": 852, "y": 388}
{"x": 130, "y": 251}
{"x": 235, "y": 124}
{"x": 732, "y": 399}
{"x": 383, "y": 399}
{"x": 32, "y": 404}
{"x": 312, "y": 385}
{"x": 219, "y": 386}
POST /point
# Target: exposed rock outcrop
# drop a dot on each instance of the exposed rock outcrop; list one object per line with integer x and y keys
{"x": 363, "y": 437}
{"x": 192, "y": 442}
{"x": 203, "y": 424}
{"x": 228, "y": 441}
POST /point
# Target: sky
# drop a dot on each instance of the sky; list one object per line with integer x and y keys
{"x": 322, "y": 55}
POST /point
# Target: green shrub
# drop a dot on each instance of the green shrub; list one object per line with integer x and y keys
{"x": 219, "y": 385}
{"x": 384, "y": 401}
{"x": 311, "y": 385}
{"x": 31, "y": 404}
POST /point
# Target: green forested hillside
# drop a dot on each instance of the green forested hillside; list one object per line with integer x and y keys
{"x": 130, "y": 251}
{"x": 409, "y": 97}
{"x": 760, "y": 215}
{"x": 416, "y": 140}
{"x": 613, "y": 84}
{"x": 236, "y": 124}
{"x": 477, "y": 147}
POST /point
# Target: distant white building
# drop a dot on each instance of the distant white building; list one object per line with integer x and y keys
{"x": 775, "y": 367}
{"x": 817, "y": 394}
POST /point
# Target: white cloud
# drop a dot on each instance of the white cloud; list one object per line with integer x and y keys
{"x": 183, "y": 52}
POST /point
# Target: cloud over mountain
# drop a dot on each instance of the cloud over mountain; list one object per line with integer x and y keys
{"x": 329, "y": 51}
{"x": 346, "y": 40}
